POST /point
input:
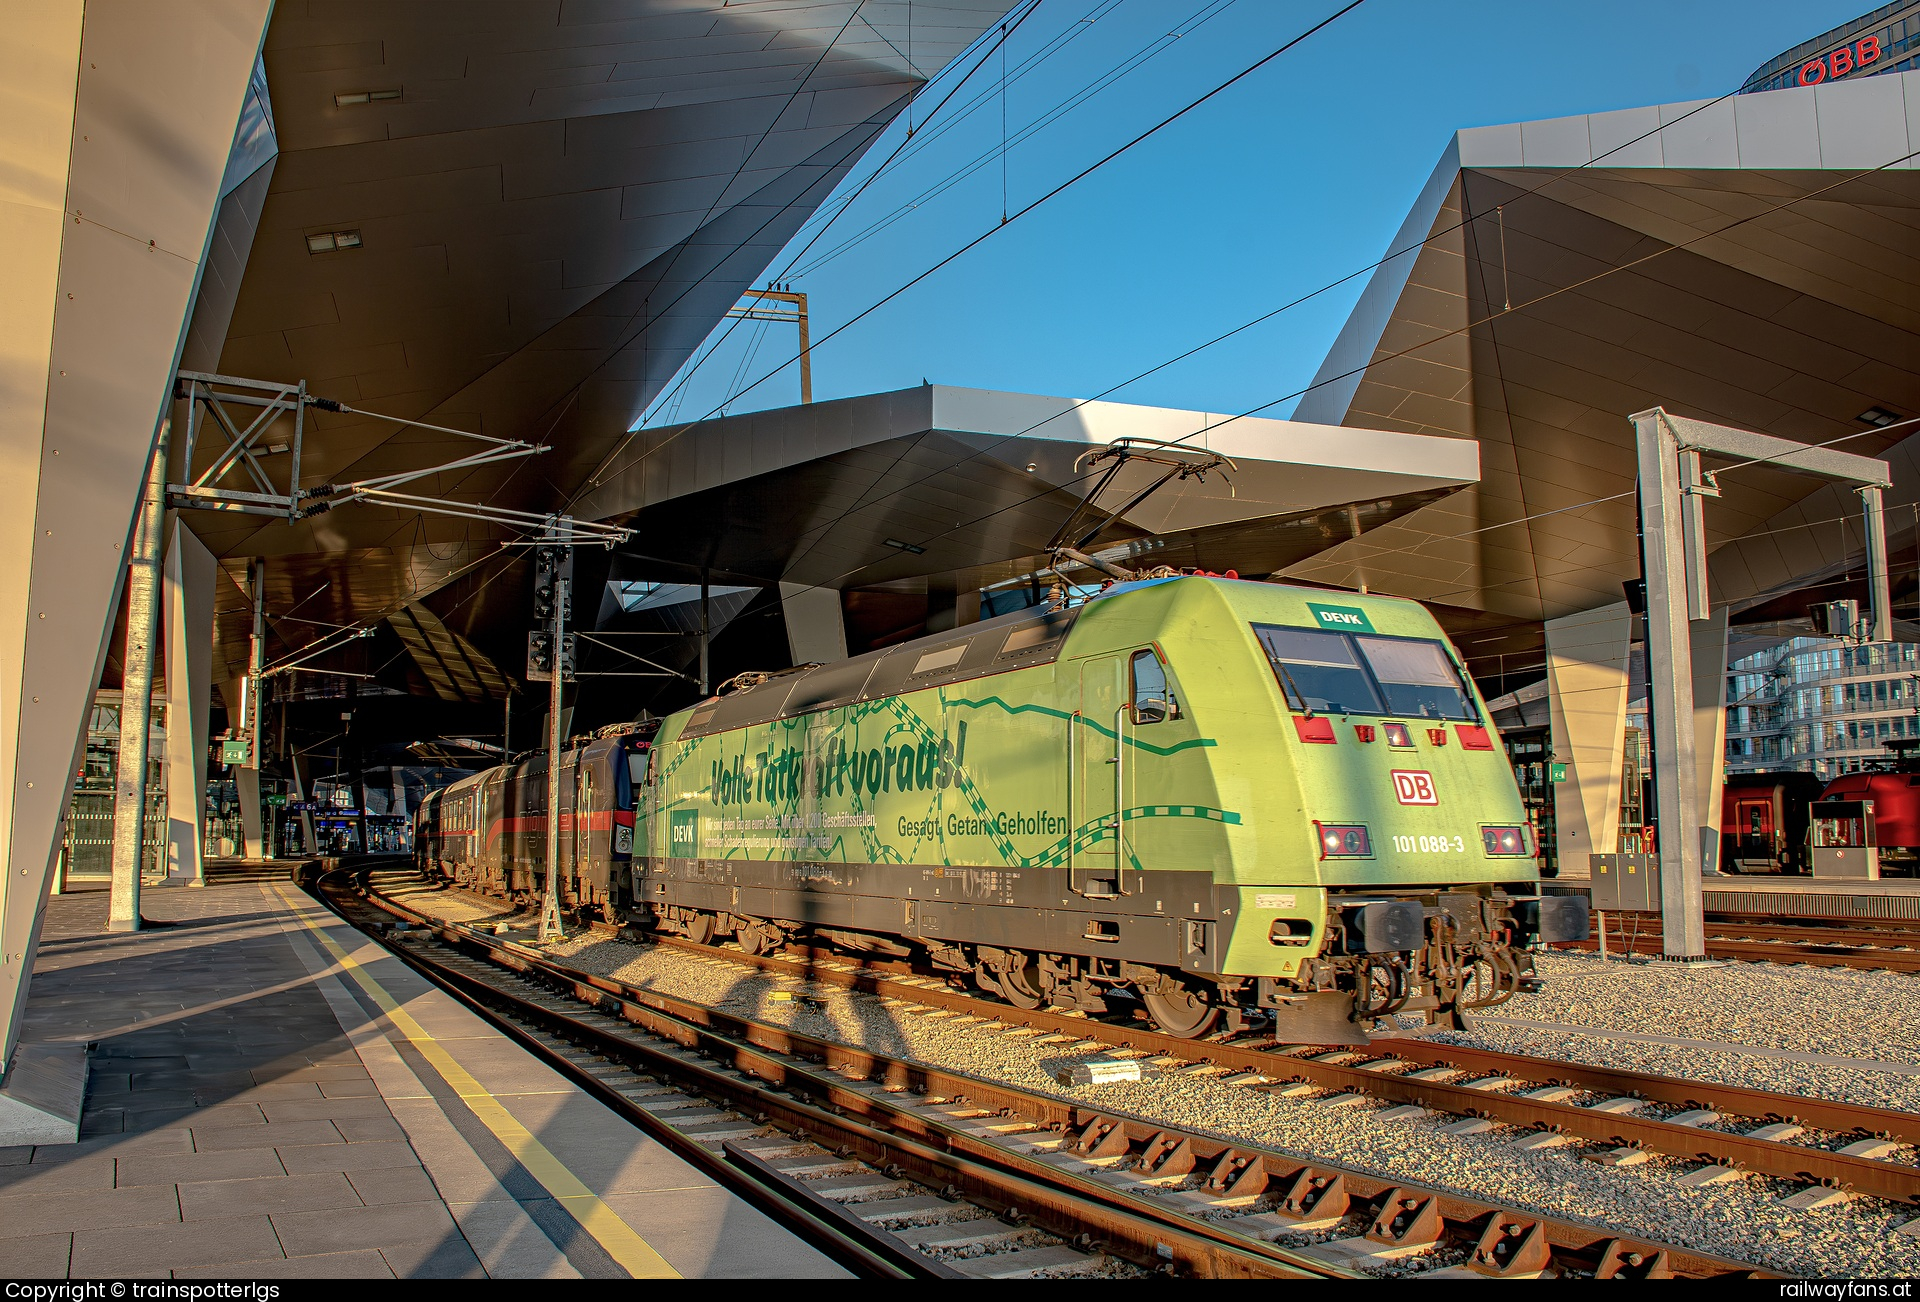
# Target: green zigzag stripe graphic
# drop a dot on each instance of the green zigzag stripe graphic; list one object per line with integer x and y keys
{"x": 1085, "y": 722}
{"x": 910, "y": 721}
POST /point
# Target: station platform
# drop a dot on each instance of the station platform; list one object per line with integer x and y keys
{"x": 1893, "y": 899}
{"x": 272, "y": 1095}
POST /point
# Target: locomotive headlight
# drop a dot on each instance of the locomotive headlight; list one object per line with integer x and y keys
{"x": 1505, "y": 842}
{"x": 1343, "y": 841}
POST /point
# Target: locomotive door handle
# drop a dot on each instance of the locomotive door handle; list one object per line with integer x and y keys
{"x": 1073, "y": 787}
{"x": 1120, "y": 800}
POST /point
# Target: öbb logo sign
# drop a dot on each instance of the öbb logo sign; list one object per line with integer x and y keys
{"x": 1840, "y": 62}
{"x": 1414, "y": 787}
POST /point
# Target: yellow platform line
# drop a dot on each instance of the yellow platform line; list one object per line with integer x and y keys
{"x": 635, "y": 1255}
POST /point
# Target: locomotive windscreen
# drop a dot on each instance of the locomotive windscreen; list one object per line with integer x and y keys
{"x": 1417, "y": 678}
{"x": 1341, "y": 673}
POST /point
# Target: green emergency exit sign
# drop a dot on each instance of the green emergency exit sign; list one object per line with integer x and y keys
{"x": 234, "y": 752}
{"x": 1557, "y": 772}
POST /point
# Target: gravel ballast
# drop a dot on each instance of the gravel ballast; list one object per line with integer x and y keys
{"x": 1825, "y": 1011}
{"x": 1869, "y": 1018}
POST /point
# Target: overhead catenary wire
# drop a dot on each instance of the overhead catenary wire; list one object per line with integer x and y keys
{"x": 1470, "y": 325}
{"x": 746, "y": 157}
{"x": 573, "y": 394}
{"x": 1522, "y": 307}
{"x": 1391, "y": 255}
{"x": 961, "y": 172}
{"x": 1398, "y": 252}
{"x": 600, "y": 471}
{"x": 1615, "y": 497}
{"x": 1025, "y": 209}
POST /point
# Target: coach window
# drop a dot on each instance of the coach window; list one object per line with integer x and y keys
{"x": 1153, "y": 698}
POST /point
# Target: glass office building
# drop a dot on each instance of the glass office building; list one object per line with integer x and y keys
{"x": 1885, "y": 40}
{"x": 1820, "y": 708}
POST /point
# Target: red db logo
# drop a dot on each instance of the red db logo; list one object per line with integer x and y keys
{"x": 1414, "y": 787}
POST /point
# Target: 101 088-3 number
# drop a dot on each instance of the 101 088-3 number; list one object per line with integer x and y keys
{"x": 1429, "y": 845}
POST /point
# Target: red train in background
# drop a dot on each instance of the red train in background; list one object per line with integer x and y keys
{"x": 489, "y": 831}
{"x": 1891, "y": 821}
{"x": 1764, "y": 822}
{"x": 1766, "y": 819}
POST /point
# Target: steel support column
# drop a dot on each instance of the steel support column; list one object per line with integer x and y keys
{"x": 1873, "y": 507}
{"x": 1673, "y": 484}
{"x": 706, "y": 636}
{"x": 303, "y": 795}
{"x": 550, "y": 925}
{"x": 246, "y": 777}
{"x": 1670, "y": 686}
{"x": 136, "y": 696}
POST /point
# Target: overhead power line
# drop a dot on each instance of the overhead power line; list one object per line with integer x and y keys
{"x": 601, "y": 470}
{"x": 1446, "y": 334}
{"x": 1404, "y": 251}
{"x": 1015, "y": 216}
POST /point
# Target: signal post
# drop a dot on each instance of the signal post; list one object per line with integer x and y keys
{"x": 550, "y": 659}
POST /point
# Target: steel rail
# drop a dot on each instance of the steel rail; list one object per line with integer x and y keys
{"x": 1797, "y": 945}
{"x": 1826, "y": 1114}
{"x": 1851, "y": 931}
{"x": 1762, "y": 1105}
{"x": 849, "y": 1121}
{"x": 1893, "y": 1180}
{"x": 1098, "y": 1133}
{"x": 864, "y": 1254}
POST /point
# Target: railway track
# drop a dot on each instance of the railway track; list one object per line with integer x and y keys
{"x": 1235, "y": 1199}
{"x": 879, "y": 1185}
{"x": 1632, "y": 1114}
{"x": 1890, "y": 949}
{"x": 1833, "y": 1147}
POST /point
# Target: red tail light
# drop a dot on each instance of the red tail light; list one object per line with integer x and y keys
{"x": 1505, "y": 842}
{"x": 1317, "y": 729}
{"x": 1343, "y": 841}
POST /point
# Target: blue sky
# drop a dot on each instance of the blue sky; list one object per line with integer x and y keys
{"x": 1292, "y": 178}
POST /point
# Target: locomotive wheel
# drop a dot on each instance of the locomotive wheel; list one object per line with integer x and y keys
{"x": 1180, "y": 1012}
{"x": 700, "y": 928}
{"x": 1021, "y": 986}
{"x": 757, "y": 938}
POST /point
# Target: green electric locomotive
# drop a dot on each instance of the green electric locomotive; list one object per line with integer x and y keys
{"x": 1222, "y": 799}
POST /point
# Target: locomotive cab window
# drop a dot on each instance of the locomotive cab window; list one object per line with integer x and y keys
{"x": 637, "y": 761}
{"x": 1342, "y": 673}
{"x": 1153, "y": 696}
{"x": 1320, "y": 672}
{"x": 1417, "y": 678}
